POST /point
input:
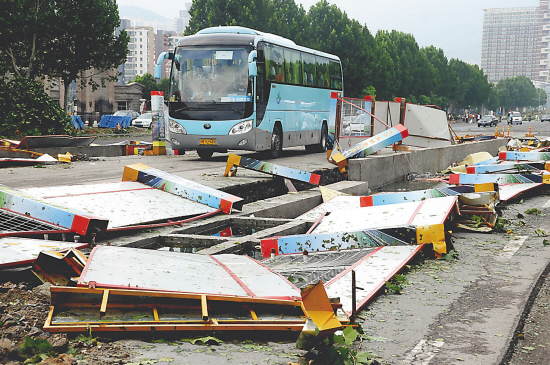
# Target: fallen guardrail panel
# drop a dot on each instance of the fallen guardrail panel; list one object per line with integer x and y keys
{"x": 427, "y": 217}
{"x": 331, "y": 241}
{"x": 371, "y": 275}
{"x": 59, "y": 268}
{"x": 373, "y": 268}
{"x": 81, "y": 222}
{"x": 185, "y": 188}
{"x": 123, "y": 204}
{"x": 510, "y": 191}
{"x": 524, "y": 156}
{"x": 370, "y": 146}
{"x": 16, "y": 251}
{"x": 113, "y": 267}
{"x": 508, "y": 166}
{"x": 124, "y": 310}
{"x": 461, "y": 179}
{"x": 234, "y": 161}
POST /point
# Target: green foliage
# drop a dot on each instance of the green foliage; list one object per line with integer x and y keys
{"x": 535, "y": 211}
{"x": 61, "y": 38}
{"x": 338, "y": 349}
{"x": 450, "y": 256}
{"x": 150, "y": 84}
{"x": 519, "y": 91}
{"x": 207, "y": 340}
{"x": 396, "y": 284}
{"x": 388, "y": 65}
{"x": 36, "y": 349}
{"x": 27, "y": 108}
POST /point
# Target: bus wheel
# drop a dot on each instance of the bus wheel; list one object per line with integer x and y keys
{"x": 205, "y": 154}
{"x": 276, "y": 142}
{"x": 322, "y": 145}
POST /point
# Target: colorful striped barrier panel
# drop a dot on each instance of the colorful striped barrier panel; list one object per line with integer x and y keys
{"x": 69, "y": 218}
{"x": 269, "y": 168}
{"x": 179, "y": 186}
{"x": 370, "y": 145}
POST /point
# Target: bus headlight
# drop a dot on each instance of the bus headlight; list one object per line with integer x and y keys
{"x": 175, "y": 127}
{"x": 241, "y": 127}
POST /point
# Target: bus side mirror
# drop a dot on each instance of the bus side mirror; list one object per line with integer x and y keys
{"x": 252, "y": 68}
{"x": 158, "y": 65}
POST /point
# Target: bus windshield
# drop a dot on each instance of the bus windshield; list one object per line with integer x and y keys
{"x": 210, "y": 75}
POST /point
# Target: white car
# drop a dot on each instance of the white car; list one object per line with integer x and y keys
{"x": 145, "y": 120}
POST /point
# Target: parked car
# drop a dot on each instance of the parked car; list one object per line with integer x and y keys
{"x": 545, "y": 118}
{"x": 487, "y": 121}
{"x": 122, "y": 113}
{"x": 515, "y": 118}
{"x": 145, "y": 120}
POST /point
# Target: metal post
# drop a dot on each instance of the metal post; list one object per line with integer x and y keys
{"x": 353, "y": 298}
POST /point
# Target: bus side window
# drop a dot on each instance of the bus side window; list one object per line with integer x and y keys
{"x": 322, "y": 71}
{"x": 308, "y": 65}
{"x": 335, "y": 75}
{"x": 292, "y": 67}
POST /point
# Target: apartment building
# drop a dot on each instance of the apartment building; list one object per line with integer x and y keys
{"x": 515, "y": 42}
{"x": 140, "y": 59}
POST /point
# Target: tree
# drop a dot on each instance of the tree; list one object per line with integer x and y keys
{"x": 61, "y": 38}
{"x": 150, "y": 84}
{"x": 518, "y": 92}
{"x": 27, "y": 108}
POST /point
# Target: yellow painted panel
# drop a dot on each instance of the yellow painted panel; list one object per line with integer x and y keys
{"x": 131, "y": 171}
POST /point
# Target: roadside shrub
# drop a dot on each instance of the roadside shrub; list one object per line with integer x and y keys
{"x": 24, "y": 106}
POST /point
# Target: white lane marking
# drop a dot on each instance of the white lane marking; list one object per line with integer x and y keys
{"x": 511, "y": 248}
{"x": 547, "y": 204}
{"x": 423, "y": 353}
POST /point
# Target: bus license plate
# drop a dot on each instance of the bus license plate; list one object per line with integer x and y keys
{"x": 207, "y": 141}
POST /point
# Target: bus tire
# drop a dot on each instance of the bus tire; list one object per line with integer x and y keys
{"x": 205, "y": 154}
{"x": 322, "y": 145}
{"x": 276, "y": 142}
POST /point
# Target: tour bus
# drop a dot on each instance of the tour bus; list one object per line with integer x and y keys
{"x": 240, "y": 89}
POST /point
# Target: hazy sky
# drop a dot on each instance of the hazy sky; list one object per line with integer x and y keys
{"x": 454, "y": 26}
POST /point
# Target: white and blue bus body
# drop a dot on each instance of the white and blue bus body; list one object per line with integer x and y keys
{"x": 234, "y": 88}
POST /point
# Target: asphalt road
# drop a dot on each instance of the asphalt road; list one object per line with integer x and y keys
{"x": 538, "y": 129}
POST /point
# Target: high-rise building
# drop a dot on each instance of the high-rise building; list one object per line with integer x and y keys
{"x": 183, "y": 21}
{"x": 515, "y": 42}
{"x": 140, "y": 59}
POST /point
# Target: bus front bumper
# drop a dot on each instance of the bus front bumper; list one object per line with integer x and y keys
{"x": 244, "y": 141}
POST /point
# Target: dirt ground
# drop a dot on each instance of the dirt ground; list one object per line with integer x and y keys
{"x": 24, "y": 307}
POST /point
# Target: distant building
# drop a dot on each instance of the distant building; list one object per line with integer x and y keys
{"x": 515, "y": 42}
{"x": 164, "y": 42}
{"x": 183, "y": 21}
{"x": 140, "y": 59}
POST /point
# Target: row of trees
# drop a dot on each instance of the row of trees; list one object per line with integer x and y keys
{"x": 51, "y": 40}
{"x": 389, "y": 64}
{"x": 58, "y": 39}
